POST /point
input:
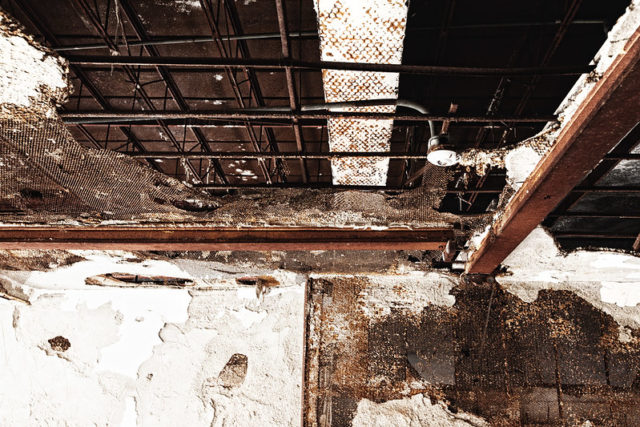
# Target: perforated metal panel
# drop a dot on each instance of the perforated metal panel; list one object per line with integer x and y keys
{"x": 361, "y": 31}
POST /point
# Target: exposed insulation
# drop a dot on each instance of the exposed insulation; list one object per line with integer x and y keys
{"x": 356, "y": 31}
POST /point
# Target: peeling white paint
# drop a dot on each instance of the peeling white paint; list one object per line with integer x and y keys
{"x": 610, "y": 281}
{"x": 149, "y": 356}
{"x": 27, "y": 72}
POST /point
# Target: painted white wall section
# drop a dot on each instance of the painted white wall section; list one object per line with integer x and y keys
{"x": 148, "y": 356}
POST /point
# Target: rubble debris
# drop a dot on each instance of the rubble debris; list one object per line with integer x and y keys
{"x": 416, "y": 411}
{"x": 59, "y": 343}
{"x": 234, "y": 372}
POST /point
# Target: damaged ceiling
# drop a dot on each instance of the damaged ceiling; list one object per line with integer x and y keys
{"x": 223, "y": 112}
{"x": 276, "y": 137}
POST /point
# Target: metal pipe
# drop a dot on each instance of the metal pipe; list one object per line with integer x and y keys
{"x": 185, "y": 40}
{"x": 273, "y": 155}
{"x": 304, "y": 34}
{"x": 340, "y": 106}
{"x": 283, "y": 63}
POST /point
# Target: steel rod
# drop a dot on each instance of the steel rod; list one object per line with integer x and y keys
{"x": 299, "y": 34}
{"x": 273, "y": 155}
{"x": 283, "y": 63}
{"x": 327, "y": 185}
{"x": 105, "y": 117}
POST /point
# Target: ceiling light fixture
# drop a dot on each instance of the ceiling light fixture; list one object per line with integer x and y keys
{"x": 439, "y": 152}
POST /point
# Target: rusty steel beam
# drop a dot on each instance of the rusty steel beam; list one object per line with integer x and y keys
{"x": 210, "y": 238}
{"x": 272, "y": 155}
{"x": 269, "y": 64}
{"x": 104, "y": 117}
{"x": 607, "y": 114}
{"x": 291, "y": 84}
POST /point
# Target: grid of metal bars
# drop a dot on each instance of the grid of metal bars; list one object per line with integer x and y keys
{"x": 226, "y": 32}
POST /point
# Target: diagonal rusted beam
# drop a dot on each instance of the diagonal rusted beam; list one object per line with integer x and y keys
{"x": 291, "y": 85}
{"x": 608, "y": 113}
{"x": 168, "y": 80}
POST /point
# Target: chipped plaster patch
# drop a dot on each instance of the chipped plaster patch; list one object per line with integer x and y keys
{"x": 28, "y": 72}
{"x": 415, "y": 411}
{"x": 609, "y": 281}
{"x": 538, "y": 258}
{"x": 621, "y": 294}
{"x": 410, "y": 292}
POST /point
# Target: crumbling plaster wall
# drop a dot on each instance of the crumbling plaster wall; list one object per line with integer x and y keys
{"x": 154, "y": 355}
{"x": 147, "y": 356}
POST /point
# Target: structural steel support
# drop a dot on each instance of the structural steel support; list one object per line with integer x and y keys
{"x": 258, "y": 113}
{"x": 294, "y": 64}
{"x": 291, "y": 84}
{"x": 608, "y": 113}
{"x": 210, "y": 238}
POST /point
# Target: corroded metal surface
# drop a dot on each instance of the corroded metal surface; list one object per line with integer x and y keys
{"x": 557, "y": 360}
{"x": 209, "y": 238}
{"x": 355, "y": 31}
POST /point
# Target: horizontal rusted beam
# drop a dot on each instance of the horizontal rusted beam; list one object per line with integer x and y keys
{"x": 294, "y": 64}
{"x": 272, "y": 155}
{"x": 328, "y": 185}
{"x": 608, "y": 113}
{"x": 208, "y": 238}
{"x": 112, "y": 117}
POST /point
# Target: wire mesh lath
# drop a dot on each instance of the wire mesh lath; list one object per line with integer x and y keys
{"x": 44, "y": 170}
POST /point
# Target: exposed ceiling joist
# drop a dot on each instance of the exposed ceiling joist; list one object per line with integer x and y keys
{"x": 607, "y": 114}
{"x": 209, "y": 238}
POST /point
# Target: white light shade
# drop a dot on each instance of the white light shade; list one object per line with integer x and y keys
{"x": 442, "y": 157}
